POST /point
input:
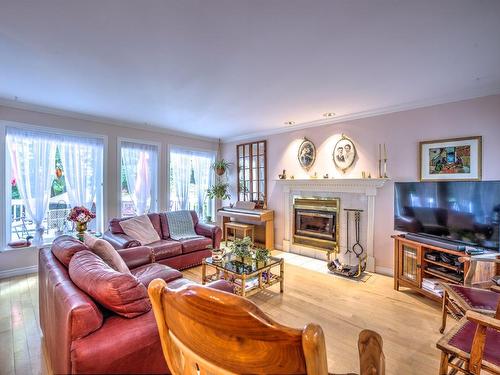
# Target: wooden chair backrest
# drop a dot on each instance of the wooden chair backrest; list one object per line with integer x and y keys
{"x": 205, "y": 331}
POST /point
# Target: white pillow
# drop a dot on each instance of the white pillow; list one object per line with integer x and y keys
{"x": 141, "y": 229}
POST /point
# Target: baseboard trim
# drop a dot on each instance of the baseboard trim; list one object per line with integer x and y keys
{"x": 388, "y": 271}
{"x": 18, "y": 271}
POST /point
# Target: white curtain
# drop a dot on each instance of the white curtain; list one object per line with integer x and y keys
{"x": 182, "y": 161}
{"x": 82, "y": 160}
{"x": 203, "y": 175}
{"x": 140, "y": 165}
{"x": 33, "y": 160}
{"x": 180, "y": 169}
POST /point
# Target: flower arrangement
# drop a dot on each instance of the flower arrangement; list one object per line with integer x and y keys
{"x": 81, "y": 215}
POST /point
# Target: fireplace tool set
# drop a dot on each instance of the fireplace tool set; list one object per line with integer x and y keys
{"x": 348, "y": 270}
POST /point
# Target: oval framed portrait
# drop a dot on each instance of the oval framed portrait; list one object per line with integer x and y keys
{"x": 306, "y": 154}
{"x": 344, "y": 153}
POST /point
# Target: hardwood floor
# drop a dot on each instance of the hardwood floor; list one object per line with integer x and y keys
{"x": 407, "y": 322}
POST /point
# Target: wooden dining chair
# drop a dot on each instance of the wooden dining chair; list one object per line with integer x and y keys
{"x": 206, "y": 331}
{"x": 472, "y": 345}
{"x": 480, "y": 297}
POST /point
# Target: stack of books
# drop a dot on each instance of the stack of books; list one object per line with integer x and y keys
{"x": 433, "y": 286}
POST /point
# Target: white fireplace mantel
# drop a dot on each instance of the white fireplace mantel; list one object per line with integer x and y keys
{"x": 364, "y": 186}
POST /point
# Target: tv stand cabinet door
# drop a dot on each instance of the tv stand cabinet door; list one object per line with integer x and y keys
{"x": 409, "y": 263}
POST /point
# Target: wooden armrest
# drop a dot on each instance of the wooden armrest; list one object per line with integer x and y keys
{"x": 483, "y": 320}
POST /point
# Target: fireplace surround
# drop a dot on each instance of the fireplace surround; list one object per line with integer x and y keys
{"x": 316, "y": 222}
{"x": 353, "y": 193}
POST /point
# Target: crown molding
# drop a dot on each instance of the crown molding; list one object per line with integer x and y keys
{"x": 369, "y": 113}
{"x": 99, "y": 119}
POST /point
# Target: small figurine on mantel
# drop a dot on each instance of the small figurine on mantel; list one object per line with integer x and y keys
{"x": 325, "y": 176}
{"x": 315, "y": 175}
{"x": 282, "y": 176}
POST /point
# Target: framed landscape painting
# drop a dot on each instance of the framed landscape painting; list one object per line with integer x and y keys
{"x": 457, "y": 159}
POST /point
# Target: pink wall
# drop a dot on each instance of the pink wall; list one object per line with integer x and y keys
{"x": 401, "y": 132}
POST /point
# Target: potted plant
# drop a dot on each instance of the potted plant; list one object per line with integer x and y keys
{"x": 242, "y": 248}
{"x": 220, "y": 166}
{"x": 220, "y": 190}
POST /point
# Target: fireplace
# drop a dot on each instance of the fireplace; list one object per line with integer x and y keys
{"x": 316, "y": 222}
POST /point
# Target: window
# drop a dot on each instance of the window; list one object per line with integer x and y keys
{"x": 252, "y": 174}
{"x": 138, "y": 178}
{"x": 50, "y": 173}
{"x": 190, "y": 177}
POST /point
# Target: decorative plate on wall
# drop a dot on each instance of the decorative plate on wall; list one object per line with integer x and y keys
{"x": 344, "y": 153}
{"x": 306, "y": 154}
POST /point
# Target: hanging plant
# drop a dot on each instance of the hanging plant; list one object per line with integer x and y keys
{"x": 220, "y": 167}
{"x": 220, "y": 190}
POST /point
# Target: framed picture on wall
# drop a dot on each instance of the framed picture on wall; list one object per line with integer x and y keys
{"x": 306, "y": 154}
{"x": 458, "y": 159}
{"x": 344, "y": 153}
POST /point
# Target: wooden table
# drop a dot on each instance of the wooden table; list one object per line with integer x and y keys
{"x": 248, "y": 276}
{"x": 245, "y": 228}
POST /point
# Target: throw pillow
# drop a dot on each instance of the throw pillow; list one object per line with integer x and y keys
{"x": 141, "y": 229}
{"x": 64, "y": 247}
{"x": 106, "y": 252}
{"x": 121, "y": 293}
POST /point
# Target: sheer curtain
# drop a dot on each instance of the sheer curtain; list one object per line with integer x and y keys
{"x": 140, "y": 165}
{"x": 203, "y": 173}
{"x": 180, "y": 169}
{"x": 33, "y": 161}
{"x": 182, "y": 162}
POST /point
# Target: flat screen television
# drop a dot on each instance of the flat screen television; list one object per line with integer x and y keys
{"x": 463, "y": 212}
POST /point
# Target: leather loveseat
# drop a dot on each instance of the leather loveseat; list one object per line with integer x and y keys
{"x": 176, "y": 254}
{"x": 80, "y": 335}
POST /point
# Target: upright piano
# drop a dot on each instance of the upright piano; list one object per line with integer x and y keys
{"x": 262, "y": 219}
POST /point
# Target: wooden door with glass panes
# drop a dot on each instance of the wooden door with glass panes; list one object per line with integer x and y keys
{"x": 252, "y": 172}
{"x": 409, "y": 263}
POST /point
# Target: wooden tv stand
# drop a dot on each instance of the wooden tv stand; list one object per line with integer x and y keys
{"x": 411, "y": 265}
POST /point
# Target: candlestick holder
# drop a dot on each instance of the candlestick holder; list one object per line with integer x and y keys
{"x": 385, "y": 168}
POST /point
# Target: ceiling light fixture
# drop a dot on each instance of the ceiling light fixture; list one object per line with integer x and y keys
{"x": 328, "y": 114}
{"x": 289, "y": 122}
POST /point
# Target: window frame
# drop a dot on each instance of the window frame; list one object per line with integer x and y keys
{"x": 158, "y": 145}
{"x": 5, "y": 230}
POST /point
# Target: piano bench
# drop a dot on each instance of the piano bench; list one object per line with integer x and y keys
{"x": 235, "y": 226}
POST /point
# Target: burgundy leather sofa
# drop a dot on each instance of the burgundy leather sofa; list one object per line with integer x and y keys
{"x": 83, "y": 337}
{"x": 176, "y": 254}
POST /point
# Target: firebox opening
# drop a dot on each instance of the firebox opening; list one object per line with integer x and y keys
{"x": 316, "y": 222}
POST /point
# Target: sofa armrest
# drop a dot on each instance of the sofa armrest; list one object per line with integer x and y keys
{"x": 210, "y": 231}
{"x": 137, "y": 256}
{"x": 120, "y": 241}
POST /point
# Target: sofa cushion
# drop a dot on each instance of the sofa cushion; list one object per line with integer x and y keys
{"x": 106, "y": 252}
{"x": 121, "y": 293}
{"x": 121, "y": 346}
{"x": 149, "y": 272}
{"x": 165, "y": 231}
{"x": 115, "y": 227}
{"x": 195, "y": 244}
{"x": 166, "y": 249}
{"x": 140, "y": 228}
{"x": 64, "y": 247}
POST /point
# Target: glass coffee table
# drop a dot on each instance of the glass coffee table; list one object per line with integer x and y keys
{"x": 248, "y": 276}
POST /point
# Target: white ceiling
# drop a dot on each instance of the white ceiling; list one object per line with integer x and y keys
{"x": 226, "y": 68}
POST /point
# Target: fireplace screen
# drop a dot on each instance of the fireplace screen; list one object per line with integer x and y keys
{"x": 316, "y": 223}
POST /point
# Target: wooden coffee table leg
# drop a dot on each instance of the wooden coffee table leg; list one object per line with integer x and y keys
{"x": 203, "y": 273}
{"x": 282, "y": 276}
{"x": 243, "y": 277}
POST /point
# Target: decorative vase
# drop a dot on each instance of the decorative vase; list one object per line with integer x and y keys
{"x": 81, "y": 228}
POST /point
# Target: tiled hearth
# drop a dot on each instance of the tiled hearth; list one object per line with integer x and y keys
{"x": 353, "y": 193}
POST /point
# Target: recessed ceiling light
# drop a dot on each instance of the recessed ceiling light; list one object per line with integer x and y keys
{"x": 289, "y": 122}
{"x": 328, "y": 114}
